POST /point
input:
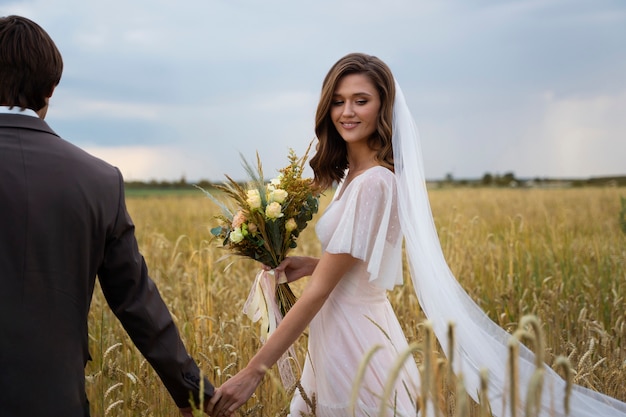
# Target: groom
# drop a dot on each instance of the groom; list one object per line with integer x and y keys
{"x": 63, "y": 221}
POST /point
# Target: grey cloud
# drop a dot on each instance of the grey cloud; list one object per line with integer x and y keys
{"x": 219, "y": 77}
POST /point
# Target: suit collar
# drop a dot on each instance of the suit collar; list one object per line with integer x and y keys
{"x": 24, "y": 122}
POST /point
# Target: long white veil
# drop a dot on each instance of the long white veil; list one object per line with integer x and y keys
{"x": 479, "y": 342}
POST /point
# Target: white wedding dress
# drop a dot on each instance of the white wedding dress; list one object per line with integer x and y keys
{"x": 361, "y": 220}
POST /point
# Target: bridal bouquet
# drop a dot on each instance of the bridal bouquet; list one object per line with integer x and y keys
{"x": 264, "y": 225}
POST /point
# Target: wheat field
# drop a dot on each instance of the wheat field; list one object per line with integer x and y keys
{"x": 556, "y": 254}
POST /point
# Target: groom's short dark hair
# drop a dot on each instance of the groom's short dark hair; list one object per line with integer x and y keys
{"x": 30, "y": 63}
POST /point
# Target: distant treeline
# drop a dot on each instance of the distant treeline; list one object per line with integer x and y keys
{"x": 487, "y": 180}
{"x": 510, "y": 180}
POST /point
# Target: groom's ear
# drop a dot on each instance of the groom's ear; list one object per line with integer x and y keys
{"x": 44, "y": 110}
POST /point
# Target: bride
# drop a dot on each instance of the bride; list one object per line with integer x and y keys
{"x": 368, "y": 143}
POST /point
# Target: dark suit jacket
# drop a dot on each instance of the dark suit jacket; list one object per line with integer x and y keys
{"x": 63, "y": 221}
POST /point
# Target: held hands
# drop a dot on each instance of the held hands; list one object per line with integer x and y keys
{"x": 295, "y": 267}
{"x": 234, "y": 392}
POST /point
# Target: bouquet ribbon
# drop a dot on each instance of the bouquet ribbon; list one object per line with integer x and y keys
{"x": 261, "y": 305}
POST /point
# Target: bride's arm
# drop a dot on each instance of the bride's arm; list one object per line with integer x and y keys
{"x": 236, "y": 391}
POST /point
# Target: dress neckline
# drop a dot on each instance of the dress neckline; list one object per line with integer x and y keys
{"x": 343, "y": 186}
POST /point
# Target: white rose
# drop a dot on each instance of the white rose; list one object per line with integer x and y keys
{"x": 278, "y": 195}
{"x": 273, "y": 211}
{"x": 276, "y": 181}
{"x": 236, "y": 235}
{"x": 254, "y": 199}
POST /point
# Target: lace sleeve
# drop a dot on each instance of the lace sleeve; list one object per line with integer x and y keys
{"x": 369, "y": 228}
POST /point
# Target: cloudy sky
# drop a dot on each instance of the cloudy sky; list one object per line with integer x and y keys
{"x": 166, "y": 89}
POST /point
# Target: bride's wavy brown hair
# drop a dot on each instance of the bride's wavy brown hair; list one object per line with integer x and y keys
{"x": 330, "y": 160}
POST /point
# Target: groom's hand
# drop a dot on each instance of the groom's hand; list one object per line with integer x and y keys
{"x": 188, "y": 411}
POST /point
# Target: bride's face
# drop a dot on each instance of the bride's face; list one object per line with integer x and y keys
{"x": 355, "y": 107}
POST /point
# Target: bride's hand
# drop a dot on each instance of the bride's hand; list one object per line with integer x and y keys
{"x": 234, "y": 393}
{"x": 295, "y": 267}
